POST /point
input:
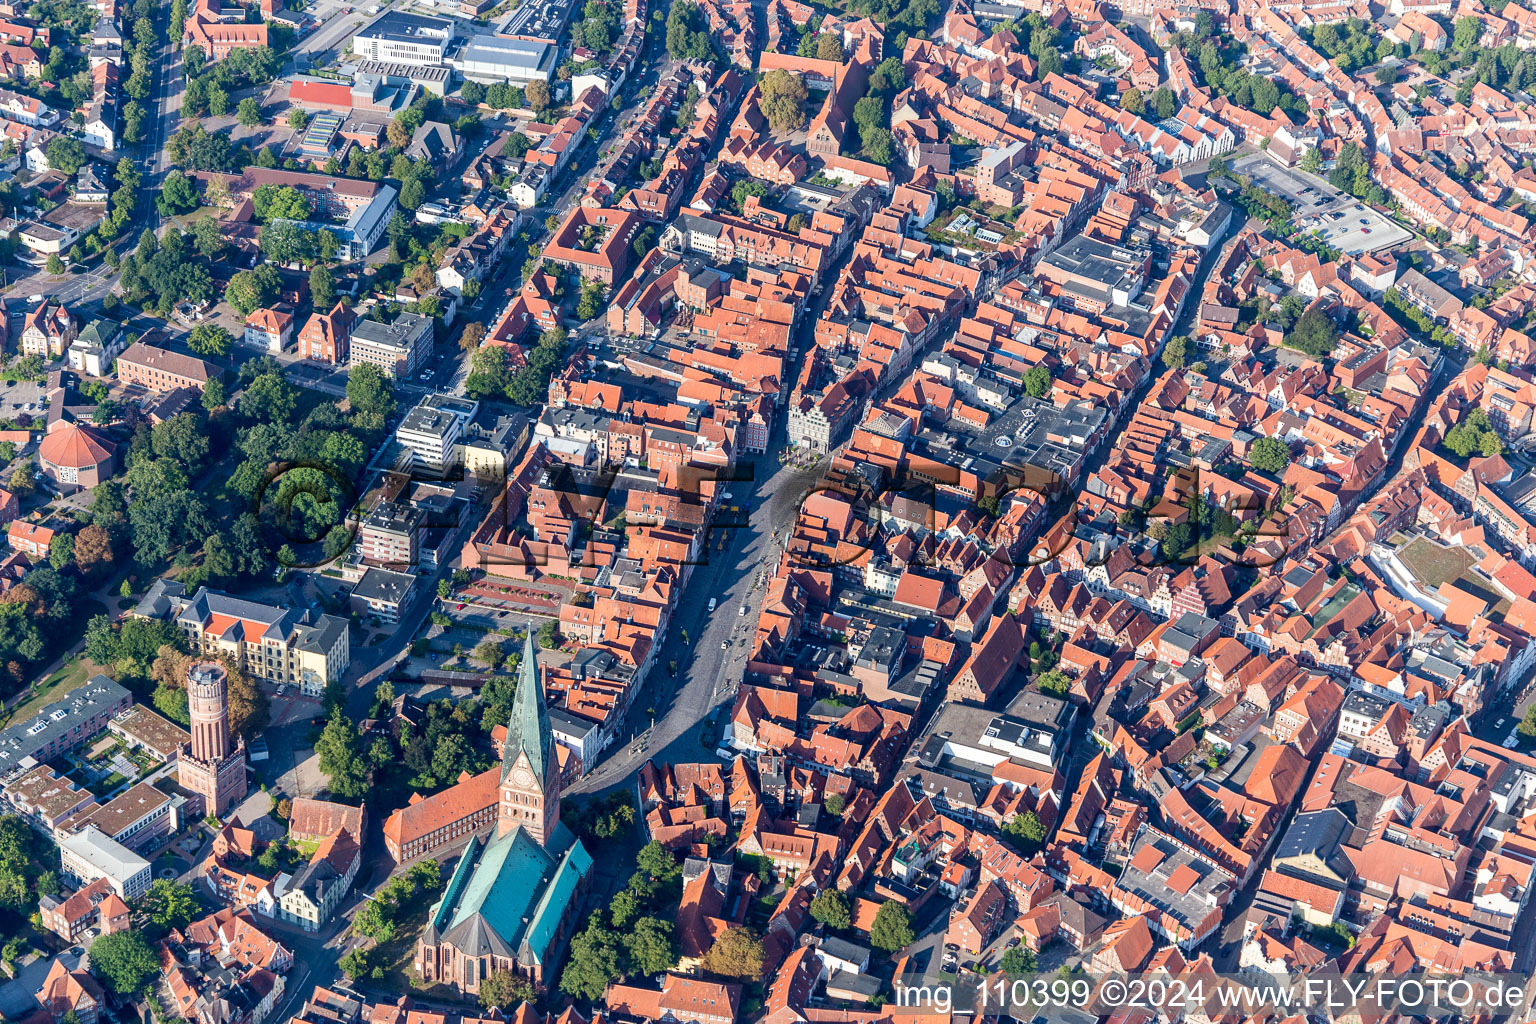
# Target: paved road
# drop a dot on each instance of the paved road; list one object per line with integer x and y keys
{"x": 708, "y": 673}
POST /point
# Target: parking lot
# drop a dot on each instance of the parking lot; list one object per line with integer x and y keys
{"x": 19, "y": 398}
{"x": 1344, "y": 222}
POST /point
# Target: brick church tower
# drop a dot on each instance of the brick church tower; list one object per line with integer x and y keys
{"x": 215, "y": 769}
{"x": 530, "y": 773}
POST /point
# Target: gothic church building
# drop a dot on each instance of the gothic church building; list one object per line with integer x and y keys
{"x": 514, "y": 896}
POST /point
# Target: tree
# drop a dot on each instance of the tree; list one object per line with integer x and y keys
{"x": 1018, "y": 961}
{"x": 322, "y": 286}
{"x": 537, "y": 95}
{"x": 125, "y": 961}
{"x": 472, "y": 335}
{"x": 829, "y": 47}
{"x": 64, "y": 154}
{"x": 1131, "y": 101}
{"x": 1163, "y": 102}
{"x": 54, "y": 265}
{"x": 1314, "y": 333}
{"x": 339, "y": 749}
{"x": 780, "y": 95}
{"x": 177, "y": 195}
{"x": 830, "y": 907}
{"x": 472, "y": 93}
{"x": 61, "y": 550}
{"x": 892, "y": 927}
{"x": 656, "y": 861}
{"x": 505, "y": 990}
{"x": 1474, "y": 435}
{"x": 1269, "y": 455}
{"x": 1055, "y": 682}
{"x": 1527, "y": 726}
{"x": 250, "y": 290}
{"x": 1028, "y": 829}
{"x": 249, "y": 708}
{"x": 591, "y": 300}
{"x": 210, "y": 339}
{"x": 652, "y": 945}
{"x": 168, "y": 903}
{"x": 879, "y": 146}
{"x": 273, "y": 202}
{"x": 370, "y": 391}
{"x": 743, "y": 190}
{"x": 737, "y": 953}
{"x": 248, "y": 112}
{"x": 1037, "y": 381}
{"x": 1468, "y": 30}
{"x": 596, "y": 957}
{"x": 22, "y": 864}
{"x": 93, "y": 550}
{"x": 687, "y": 38}
{"x": 269, "y": 398}
{"x": 207, "y": 239}
{"x": 413, "y": 192}
{"x": 359, "y": 963}
{"x": 1176, "y": 352}
{"x": 214, "y": 396}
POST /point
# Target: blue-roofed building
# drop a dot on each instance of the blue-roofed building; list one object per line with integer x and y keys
{"x": 514, "y": 897}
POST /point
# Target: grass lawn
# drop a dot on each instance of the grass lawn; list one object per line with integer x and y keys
{"x": 69, "y": 677}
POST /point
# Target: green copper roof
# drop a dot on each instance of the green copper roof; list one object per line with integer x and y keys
{"x": 528, "y": 729}
{"x": 557, "y": 898}
{"x": 461, "y": 873}
{"x": 502, "y": 889}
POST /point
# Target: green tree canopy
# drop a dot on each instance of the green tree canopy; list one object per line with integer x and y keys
{"x": 737, "y": 953}
{"x": 831, "y": 908}
{"x": 892, "y": 927}
{"x": 1269, "y": 455}
{"x": 125, "y": 962}
{"x": 168, "y": 903}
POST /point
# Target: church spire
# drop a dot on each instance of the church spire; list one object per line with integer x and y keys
{"x": 528, "y": 729}
{"x": 530, "y": 774}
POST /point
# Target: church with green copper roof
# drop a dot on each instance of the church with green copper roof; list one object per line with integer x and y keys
{"x": 514, "y": 896}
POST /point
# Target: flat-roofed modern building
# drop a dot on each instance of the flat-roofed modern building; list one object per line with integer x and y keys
{"x": 402, "y": 38}
{"x": 432, "y": 431}
{"x": 398, "y": 349}
{"x": 63, "y": 725}
{"x": 515, "y": 59}
{"x": 388, "y": 536}
{"x": 89, "y": 854}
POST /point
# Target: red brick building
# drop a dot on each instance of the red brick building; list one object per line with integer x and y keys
{"x": 595, "y": 242}
{"x": 326, "y": 336}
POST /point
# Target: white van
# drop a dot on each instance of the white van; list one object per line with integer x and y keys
{"x": 711, "y": 604}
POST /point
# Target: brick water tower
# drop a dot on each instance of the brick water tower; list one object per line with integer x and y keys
{"x": 215, "y": 769}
